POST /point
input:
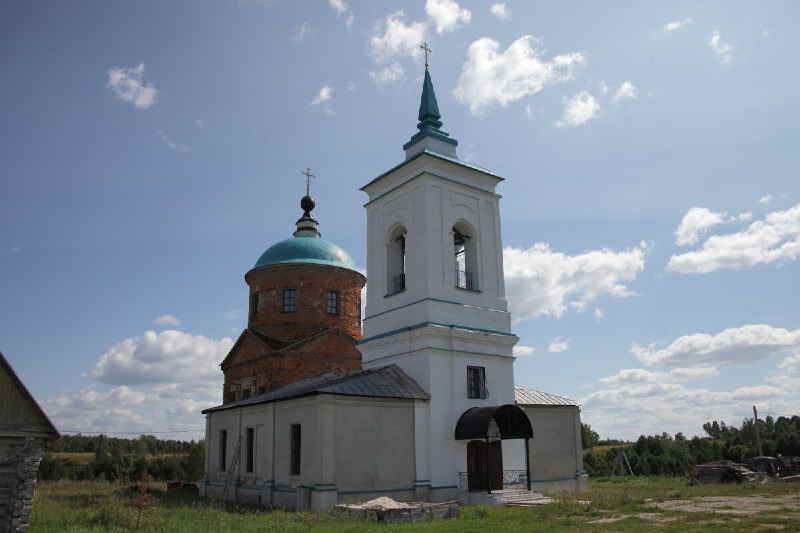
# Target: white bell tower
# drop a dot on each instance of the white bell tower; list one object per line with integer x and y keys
{"x": 436, "y": 302}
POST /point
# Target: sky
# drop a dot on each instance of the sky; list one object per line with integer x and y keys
{"x": 151, "y": 151}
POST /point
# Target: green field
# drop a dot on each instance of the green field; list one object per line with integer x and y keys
{"x": 86, "y": 457}
{"x": 618, "y": 504}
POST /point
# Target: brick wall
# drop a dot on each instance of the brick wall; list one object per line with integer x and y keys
{"x": 331, "y": 351}
{"x": 312, "y": 283}
{"x": 19, "y": 464}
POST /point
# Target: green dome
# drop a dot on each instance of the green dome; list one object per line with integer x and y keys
{"x": 311, "y": 250}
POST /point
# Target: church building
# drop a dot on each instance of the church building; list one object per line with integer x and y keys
{"x": 416, "y": 401}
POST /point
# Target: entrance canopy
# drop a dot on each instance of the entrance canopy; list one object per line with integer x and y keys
{"x": 504, "y": 421}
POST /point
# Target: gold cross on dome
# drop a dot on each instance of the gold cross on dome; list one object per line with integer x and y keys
{"x": 307, "y": 173}
{"x": 424, "y": 46}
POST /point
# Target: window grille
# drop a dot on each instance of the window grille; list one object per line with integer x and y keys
{"x": 476, "y": 382}
{"x": 332, "y": 303}
{"x": 464, "y": 280}
{"x": 289, "y": 300}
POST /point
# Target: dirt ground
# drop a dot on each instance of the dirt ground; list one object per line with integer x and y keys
{"x": 786, "y": 506}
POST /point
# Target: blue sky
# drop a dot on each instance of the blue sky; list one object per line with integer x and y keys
{"x": 651, "y": 209}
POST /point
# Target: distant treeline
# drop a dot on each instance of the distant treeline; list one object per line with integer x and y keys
{"x": 666, "y": 455}
{"x": 145, "y": 444}
{"x": 124, "y": 459}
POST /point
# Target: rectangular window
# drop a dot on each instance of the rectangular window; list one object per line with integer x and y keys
{"x": 333, "y": 303}
{"x": 262, "y": 390}
{"x": 476, "y": 382}
{"x": 223, "y": 449}
{"x": 295, "y": 450}
{"x": 251, "y": 449}
{"x": 232, "y": 396}
{"x": 289, "y": 300}
{"x": 253, "y": 304}
{"x": 245, "y": 394}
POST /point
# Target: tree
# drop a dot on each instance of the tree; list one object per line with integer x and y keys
{"x": 588, "y": 436}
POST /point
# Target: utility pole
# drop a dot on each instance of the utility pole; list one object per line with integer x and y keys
{"x": 758, "y": 437}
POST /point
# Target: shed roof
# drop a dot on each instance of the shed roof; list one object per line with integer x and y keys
{"x": 44, "y": 426}
{"x": 383, "y": 382}
{"x": 526, "y": 396}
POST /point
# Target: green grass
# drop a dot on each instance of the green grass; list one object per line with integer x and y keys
{"x": 94, "y": 506}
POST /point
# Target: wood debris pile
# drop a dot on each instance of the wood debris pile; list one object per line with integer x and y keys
{"x": 722, "y": 472}
{"x": 785, "y": 468}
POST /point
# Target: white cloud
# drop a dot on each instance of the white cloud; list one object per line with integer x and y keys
{"x": 160, "y": 382}
{"x": 722, "y": 49}
{"x": 635, "y": 402}
{"x": 167, "y": 320}
{"x": 558, "y": 346}
{"x": 744, "y": 344}
{"x": 765, "y": 200}
{"x": 200, "y": 123}
{"x": 696, "y": 222}
{"x": 599, "y": 314}
{"x": 163, "y": 357}
{"x": 776, "y": 238}
{"x": 301, "y": 32}
{"x": 791, "y": 364}
{"x": 128, "y": 85}
{"x": 766, "y": 34}
{"x": 500, "y": 11}
{"x": 489, "y": 77}
{"x": 579, "y": 109}
{"x": 11, "y": 250}
{"x": 169, "y": 143}
{"x": 394, "y": 38}
{"x": 523, "y": 351}
{"x": 542, "y": 282}
{"x": 389, "y": 74}
{"x": 627, "y": 90}
{"x": 447, "y": 14}
{"x": 675, "y": 25}
{"x": 639, "y": 375}
{"x": 342, "y": 9}
{"x": 324, "y": 95}
{"x": 233, "y": 314}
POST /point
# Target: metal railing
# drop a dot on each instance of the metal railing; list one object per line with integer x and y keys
{"x": 512, "y": 479}
{"x": 398, "y": 284}
{"x": 464, "y": 280}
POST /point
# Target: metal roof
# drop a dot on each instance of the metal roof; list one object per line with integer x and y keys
{"x": 306, "y": 250}
{"x": 526, "y": 396}
{"x": 383, "y": 382}
{"x": 510, "y": 422}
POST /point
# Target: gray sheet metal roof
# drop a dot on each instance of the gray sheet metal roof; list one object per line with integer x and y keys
{"x": 383, "y": 382}
{"x": 526, "y": 396}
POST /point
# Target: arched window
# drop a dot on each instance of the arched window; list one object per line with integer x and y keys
{"x": 465, "y": 253}
{"x": 396, "y": 261}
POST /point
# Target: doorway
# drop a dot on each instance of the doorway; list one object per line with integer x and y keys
{"x": 477, "y": 474}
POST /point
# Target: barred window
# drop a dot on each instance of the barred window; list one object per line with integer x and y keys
{"x": 289, "y": 300}
{"x": 476, "y": 382}
{"x": 333, "y": 303}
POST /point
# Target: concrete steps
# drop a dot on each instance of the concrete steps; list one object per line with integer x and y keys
{"x": 501, "y": 498}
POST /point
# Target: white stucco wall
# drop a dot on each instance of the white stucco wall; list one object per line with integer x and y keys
{"x": 556, "y": 452}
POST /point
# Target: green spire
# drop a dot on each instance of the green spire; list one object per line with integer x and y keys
{"x": 429, "y": 116}
{"x": 428, "y": 108}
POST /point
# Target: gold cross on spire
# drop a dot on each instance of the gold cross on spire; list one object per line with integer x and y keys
{"x": 424, "y": 46}
{"x": 307, "y": 173}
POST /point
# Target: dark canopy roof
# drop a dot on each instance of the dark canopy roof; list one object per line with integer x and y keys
{"x": 504, "y": 421}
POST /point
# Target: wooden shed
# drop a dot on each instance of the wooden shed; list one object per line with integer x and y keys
{"x": 24, "y": 428}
